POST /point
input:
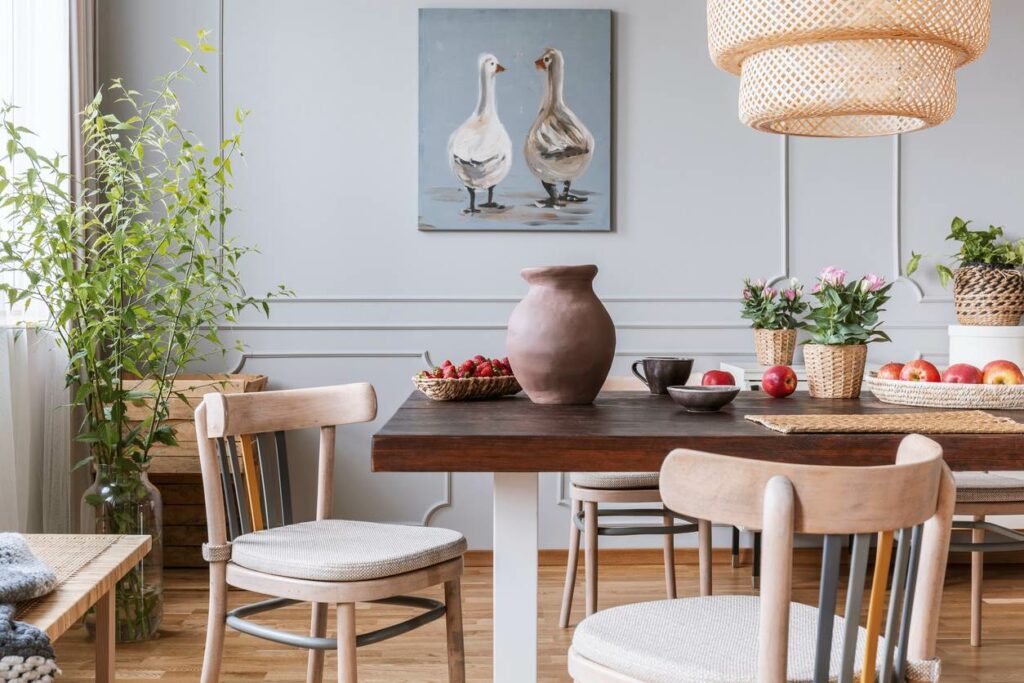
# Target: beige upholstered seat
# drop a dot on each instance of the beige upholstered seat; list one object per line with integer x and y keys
{"x": 616, "y": 480}
{"x": 707, "y": 640}
{"x": 342, "y": 550}
{"x": 983, "y": 487}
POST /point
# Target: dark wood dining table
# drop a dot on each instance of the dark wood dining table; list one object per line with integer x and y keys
{"x": 622, "y": 431}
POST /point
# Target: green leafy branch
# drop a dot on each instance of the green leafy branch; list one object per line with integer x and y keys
{"x": 977, "y": 247}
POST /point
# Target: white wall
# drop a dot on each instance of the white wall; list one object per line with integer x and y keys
{"x": 328, "y": 192}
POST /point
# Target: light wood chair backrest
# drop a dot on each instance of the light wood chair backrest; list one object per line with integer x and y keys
{"x": 911, "y": 500}
{"x": 243, "y": 452}
{"x": 623, "y": 384}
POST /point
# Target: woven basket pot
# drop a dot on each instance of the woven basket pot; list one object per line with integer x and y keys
{"x": 988, "y": 295}
{"x": 774, "y": 347}
{"x": 835, "y": 371}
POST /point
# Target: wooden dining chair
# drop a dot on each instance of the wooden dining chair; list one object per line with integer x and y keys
{"x": 980, "y": 495}
{"x": 768, "y": 638}
{"x": 588, "y": 490}
{"x": 326, "y": 562}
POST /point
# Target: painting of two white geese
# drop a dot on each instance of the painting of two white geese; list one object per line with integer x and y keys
{"x": 515, "y": 120}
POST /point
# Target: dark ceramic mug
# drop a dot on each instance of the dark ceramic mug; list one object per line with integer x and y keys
{"x": 661, "y": 373}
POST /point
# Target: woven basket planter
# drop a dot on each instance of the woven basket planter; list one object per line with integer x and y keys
{"x": 988, "y": 295}
{"x": 468, "y": 389}
{"x": 835, "y": 371}
{"x": 846, "y": 68}
{"x": 940, "y": 395}
{"x": 774, "y": 347}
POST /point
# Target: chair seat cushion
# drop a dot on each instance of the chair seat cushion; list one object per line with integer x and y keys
{"x": 983, "y": 487}
{"x": 615, "y": 480}
{"x": 342, "y": 550}
{"x": 707, "y": 640}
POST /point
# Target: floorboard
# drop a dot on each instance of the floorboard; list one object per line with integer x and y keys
{"x": 419, "y": 657}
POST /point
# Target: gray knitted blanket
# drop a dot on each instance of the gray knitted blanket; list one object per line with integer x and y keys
{"x": 25, "y": 651}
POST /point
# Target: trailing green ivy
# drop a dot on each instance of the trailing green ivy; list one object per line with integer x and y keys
{"x": 977, "y": 247}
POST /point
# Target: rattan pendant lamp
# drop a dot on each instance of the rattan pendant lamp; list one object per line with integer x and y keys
{"x": 846, "y": 68}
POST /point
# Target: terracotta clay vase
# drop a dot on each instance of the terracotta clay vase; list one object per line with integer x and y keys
{"x": 561, "y": 340}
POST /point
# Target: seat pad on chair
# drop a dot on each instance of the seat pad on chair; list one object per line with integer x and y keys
{"x": 983, "y": 487}
{"x": 342, "y": 550}
{"x": 707, "y": 640}
{"x": 615, "y": 480}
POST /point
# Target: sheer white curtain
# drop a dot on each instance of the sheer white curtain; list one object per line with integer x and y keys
{"x": 34, "y": 428}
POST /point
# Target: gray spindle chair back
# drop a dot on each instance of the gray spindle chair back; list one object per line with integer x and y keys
{"x": 866, "y": 502}
{"x": 273, "y": 483}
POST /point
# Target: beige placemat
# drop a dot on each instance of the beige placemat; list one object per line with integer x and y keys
{"x": 65, "y": 554}
{"x": 945, "y": 422}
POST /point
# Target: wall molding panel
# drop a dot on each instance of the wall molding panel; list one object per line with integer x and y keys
{"x": 697, "y": 206}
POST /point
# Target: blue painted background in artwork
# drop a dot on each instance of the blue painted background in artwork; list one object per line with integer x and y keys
{"x": 451, "y": 41}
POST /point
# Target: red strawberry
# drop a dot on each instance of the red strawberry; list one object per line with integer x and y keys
{"x": 446, "y": 364}
{"x": 479, "y": 359}
{"x": 468, "y": 366}
{"x": 508, "y": 367}
{"x": 450, "y": 372}
{"x": 485, "y": 370}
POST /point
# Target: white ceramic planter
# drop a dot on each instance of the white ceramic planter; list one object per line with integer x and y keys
{"x": 978, "y": 345}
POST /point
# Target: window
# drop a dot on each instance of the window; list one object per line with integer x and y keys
{"x": 34, "y": 75}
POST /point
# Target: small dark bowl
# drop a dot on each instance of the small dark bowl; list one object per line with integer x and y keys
{"x": 703, "y": 399}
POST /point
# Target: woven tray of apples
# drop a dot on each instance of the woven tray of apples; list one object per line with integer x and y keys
{"x": 997, "y": 386}
{"x": 474, "y": 379}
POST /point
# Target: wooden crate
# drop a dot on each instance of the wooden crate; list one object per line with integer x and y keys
{"x": 175, "y": 469}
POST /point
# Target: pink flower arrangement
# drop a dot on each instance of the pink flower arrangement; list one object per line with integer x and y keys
{"x": 767, "y": 310}
{"x": 847, "y": 313}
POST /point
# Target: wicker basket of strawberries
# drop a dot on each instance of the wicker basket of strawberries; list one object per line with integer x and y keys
{"x": 477, "y": 378}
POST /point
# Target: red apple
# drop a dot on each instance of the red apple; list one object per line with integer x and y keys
{"x": 779, "y": 381}
{"x": 962, "y": 373}
{"x": 1002, "y": 372}
{"x": 919, "y": 371}
{"x": 890, "y": 371}
{"x": 717, "y": 378}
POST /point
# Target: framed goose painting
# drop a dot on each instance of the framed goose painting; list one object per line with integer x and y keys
{"x": 515, "y": 121}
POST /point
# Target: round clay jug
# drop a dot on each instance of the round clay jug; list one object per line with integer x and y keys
{"x": 561, "y": 340}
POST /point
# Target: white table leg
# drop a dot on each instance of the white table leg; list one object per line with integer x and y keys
{"x": 515, "y": 577}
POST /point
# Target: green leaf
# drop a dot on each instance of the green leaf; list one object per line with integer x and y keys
{"x": 945, "y": 274}
{"x": 913, "y": 263}
{"x": 184, "y": 44}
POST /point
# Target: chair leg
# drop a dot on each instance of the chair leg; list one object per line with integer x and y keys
{"x": 755, "y": 573}
{"x": 215, "y": 623}
{"x": 735, "y": 547}
{"x": 453, "y": 620}
{"x": 346, "y": 643}
{"x": 670, "y": 560}
{"x": 590, "y": 554}
{"x": 704, "y": 555}
{"x": 318, "y": 629}
{"x": 977, "y": 574}
{"x": 571, "y": 566}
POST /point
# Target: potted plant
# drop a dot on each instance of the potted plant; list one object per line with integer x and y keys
{"x": 773, "y": 315}
{"x": 134, "y": 279}
{"x": 988, "y": 285}
{"x": 841, "y": 325}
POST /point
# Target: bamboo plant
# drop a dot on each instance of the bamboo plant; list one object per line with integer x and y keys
{"x": 131, "y": 268}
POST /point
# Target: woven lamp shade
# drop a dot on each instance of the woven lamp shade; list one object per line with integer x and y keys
{"x": 846, "y": 68}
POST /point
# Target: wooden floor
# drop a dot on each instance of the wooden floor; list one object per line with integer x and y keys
{"x": 420, "y": 656}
